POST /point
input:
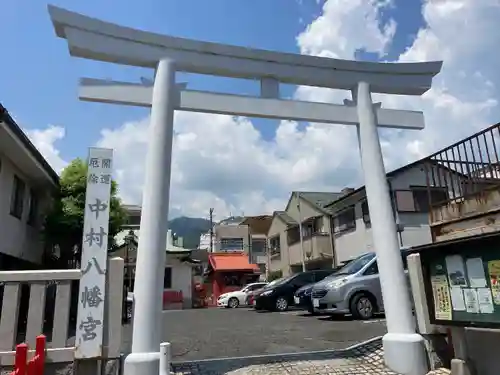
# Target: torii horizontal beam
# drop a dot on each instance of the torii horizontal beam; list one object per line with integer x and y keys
{"x": 98, "y": 40}
{"x": 95, "y": 90}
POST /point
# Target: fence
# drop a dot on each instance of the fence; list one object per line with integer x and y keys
{"x": 465, "y": 171}
{"x": 16, "y": 326}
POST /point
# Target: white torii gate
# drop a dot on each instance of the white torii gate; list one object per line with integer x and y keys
{"x": 97, "y": 40}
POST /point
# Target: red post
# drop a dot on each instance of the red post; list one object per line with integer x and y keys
{"x": 40, "y": 354}
{"x": 21, "y": 361}
{"x": 31, "y": 367}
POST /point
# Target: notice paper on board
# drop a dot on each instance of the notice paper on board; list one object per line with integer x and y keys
{"x": 494, "y": 274}
{"x": 471, "y": 302}
{"x": 457, "y": 298}
{"x": 485, "y": 300}
{"x": 475, "y": 272}
{"x": 456, "y": 270}
{"x": 441, "y": 294}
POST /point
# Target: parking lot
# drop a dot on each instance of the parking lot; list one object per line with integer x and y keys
{"x": 215, "y": 333}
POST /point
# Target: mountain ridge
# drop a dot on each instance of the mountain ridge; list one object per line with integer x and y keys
{"x": 190, "y": 229}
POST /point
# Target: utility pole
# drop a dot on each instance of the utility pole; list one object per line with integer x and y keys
{"x": 211, "y": 216}
{"x": 301, "y": 235}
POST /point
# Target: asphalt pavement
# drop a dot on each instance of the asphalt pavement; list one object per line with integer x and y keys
{"x": 218, "y": 333}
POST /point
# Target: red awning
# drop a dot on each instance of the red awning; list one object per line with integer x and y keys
{"x": 231, "y": 262}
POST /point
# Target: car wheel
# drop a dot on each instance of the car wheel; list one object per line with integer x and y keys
{"x": 281, "y": 304}
{"x": 233, "y": 303}
{"x": 362, "y": 306}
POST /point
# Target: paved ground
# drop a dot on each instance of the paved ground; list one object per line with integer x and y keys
{"x": 216, "y": 333}
{"x": 366, "y": 358}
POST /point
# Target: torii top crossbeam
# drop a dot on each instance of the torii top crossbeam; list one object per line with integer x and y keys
{"x": 98, "y": 40}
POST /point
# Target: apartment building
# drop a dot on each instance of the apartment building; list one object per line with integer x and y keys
{"x": 230, "y": 235}
{"x": 244, "y": 234}
{"x": 287, "y": 253}
{"x": 258, "y": 227}
{"x": 27, "y": 183}
{"x": 411, "y": 200}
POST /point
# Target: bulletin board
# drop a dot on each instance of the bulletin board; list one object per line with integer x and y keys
{"x": 462, "y": 281}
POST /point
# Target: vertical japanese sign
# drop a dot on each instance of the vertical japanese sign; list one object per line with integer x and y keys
{"x": 89, "y": 326}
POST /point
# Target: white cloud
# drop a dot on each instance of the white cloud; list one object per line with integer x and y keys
{"x": 44, "y": 140}
{"x": 224, "y": 162}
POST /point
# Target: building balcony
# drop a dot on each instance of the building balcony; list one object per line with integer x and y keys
{"x": 317, "y": 246}
{"x": 470, "y": 172}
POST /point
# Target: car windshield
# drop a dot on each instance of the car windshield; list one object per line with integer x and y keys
{"x": 279, "y": 281}
{"x": 355, "y": 266}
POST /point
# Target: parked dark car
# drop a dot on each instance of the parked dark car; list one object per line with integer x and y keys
{"x": 302, "y": 297}
{"x": 279, "y": 296}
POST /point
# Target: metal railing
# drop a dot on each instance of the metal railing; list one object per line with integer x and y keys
{"x": 468, "y": 169}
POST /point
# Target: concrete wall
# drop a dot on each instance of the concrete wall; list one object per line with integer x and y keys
{"x": 306, "y": 210}
{"x": 356, "y": 241}
{"x": 18, "y": 238}
{"x": 482, "y": 348}
{"x": 314, "y": 247}
{"x": 232, "y": 231}
{"x": 281, "y": 262}
{"x": 313, "y": 244}
{"x": 181, "y": 280}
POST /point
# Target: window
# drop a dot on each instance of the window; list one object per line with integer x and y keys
{"x": 312, "y": 226}
{"x": 17, "y": 198}
{"x": 417, "y": 199}
{"x": 372, "y": 269}
{"x": 262, "y": 268}
{"x": 356, "y": 265}
{"x": 321, "y": 274}
{"x": 275, "y": 246}
{"x": 134, "y": 220}
{"x": 231, "y": 244}
{"x": 33, "y": 208}
{"x": 365, "y": 212}
{"x": 303, "y": 279}
{"x": 254, "y": 287}
{"x": 259, "y": 246}
{"x": 167, "y": 278}
{"x": 293, "y": 235}
{"x": 345, "y": 220}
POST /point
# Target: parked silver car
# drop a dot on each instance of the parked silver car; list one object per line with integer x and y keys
{"x": 354, "y": 289}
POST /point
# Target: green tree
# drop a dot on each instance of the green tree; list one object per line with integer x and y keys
{"x": 64, "y": 223}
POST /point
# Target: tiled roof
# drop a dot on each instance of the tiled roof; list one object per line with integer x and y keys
{"x": 258, "y": 224}
{"x": 7, "y": 121}
{"x": 231, "y": 262}
{"x": 232, "y": 220}
{"x": 319, "y": 199}
{"x": 285, "y": 217}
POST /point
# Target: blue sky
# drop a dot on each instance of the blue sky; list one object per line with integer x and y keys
{"x": 39, "y": 80}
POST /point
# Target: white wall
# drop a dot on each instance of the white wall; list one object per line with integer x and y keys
{"x": 205, "y": 242}
{"x": 17, "y": 238}
{"x": 356, "y": 241}
{"x": 181, "y": 277}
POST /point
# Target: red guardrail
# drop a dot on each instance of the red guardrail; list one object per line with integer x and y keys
{"x": 172, "y": 296}
{"x": 36, "y": 364}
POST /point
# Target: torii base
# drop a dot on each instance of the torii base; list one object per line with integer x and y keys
{"x": 405, "y": 353}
